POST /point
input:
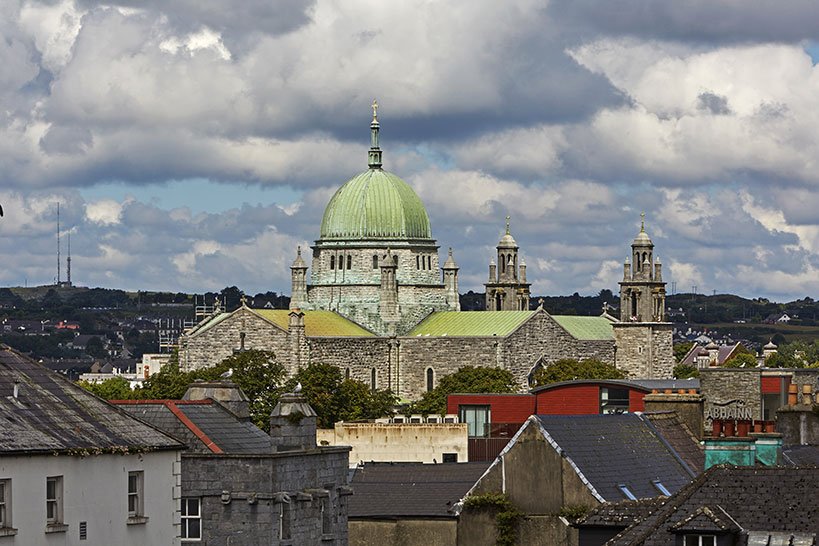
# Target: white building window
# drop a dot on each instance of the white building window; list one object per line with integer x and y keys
{"x": 136, "y": 495}
{"x": 191, "y": 520}
{"x": 54, "y": 500}
{"x": 5, "y": 503}
{"x": 700, "y": 540}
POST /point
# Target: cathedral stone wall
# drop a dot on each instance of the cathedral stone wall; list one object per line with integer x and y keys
{"x": 644, "y": 350}
{"x": 358, "y": 354}
{"x": 209, "y": 348}
{"x": 542, "y": 339}
{"x": 444, "y": 355}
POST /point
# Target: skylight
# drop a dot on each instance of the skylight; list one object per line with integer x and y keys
{"x": 626, "y": 491}
{"x": 661, "y": 488}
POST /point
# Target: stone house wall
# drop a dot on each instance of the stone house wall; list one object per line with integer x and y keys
{"x": 249, "y": 513}
{"x": 358, "y": 354}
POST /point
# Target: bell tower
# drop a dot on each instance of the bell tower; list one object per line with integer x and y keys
{"x": 507, "y": 289}
{"x": 642, "y": 337}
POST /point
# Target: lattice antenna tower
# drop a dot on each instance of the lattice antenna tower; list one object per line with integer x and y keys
{"x": 58, "y": 243}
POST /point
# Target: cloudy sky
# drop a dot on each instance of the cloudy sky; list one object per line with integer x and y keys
{"x": 193, "y": 144}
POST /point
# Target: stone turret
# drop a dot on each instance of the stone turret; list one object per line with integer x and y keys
{"x": 642, "y": 336}
{"x": 298, "y": 278}
{"x": 388, "y": 293}
{"x": 507, "y": 289}
{"x": 450, "y": 270}
{"x": 293, "y": 424}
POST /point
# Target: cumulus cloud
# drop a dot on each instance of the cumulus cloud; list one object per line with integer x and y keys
{"x": 570, "y": 117}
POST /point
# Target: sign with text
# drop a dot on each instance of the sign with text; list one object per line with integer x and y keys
{"x": 732, "y": 409}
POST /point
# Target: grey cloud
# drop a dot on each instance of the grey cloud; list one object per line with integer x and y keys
{"x": 713, "y": 103}
{"x": 702, "y": 21}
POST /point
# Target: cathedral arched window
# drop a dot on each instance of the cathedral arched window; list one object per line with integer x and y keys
{"x": 430, "y": 379}
{"x": 373, "y": 384}
{"x": 375, "y": 261}
{"x": 332, "y": 262}
{"x": 502, "y": 264}
{"x": 395, "y": 259}
{"x": 429, "y": 262}
{"x": 349, "y": 261}
{"x": 418, "y": 262}
{"x": 347, "y": 373}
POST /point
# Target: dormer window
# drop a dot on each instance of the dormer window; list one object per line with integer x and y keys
{"x": 700, "y": 540}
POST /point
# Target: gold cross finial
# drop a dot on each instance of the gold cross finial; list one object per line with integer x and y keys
{"x": 375, "y": 111}
{"x": 507, "y": 223}
{"x": 243, "y": 299}
{"x": 642, "y": 221}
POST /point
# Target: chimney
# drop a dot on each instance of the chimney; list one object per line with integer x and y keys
{"x": 799, "y": 423}
{"x": 224, "y": 392}
{"x": 688, "y": 406}
{"x": 293, "y": 424}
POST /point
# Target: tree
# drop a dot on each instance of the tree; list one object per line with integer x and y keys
{"x": 116, "y": 388}
{"x": 742, "y": 360}
{"x": 682, "y": 349}
{"x": 337, "y": 399}
{"x": 257, "y": 373}
{"x": 685, "y": 371}
{"x": 95, "y": 347}
{"x": 567, "y": 369}
{"x": 468, "y": 379}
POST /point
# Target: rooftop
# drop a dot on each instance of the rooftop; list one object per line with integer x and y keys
{"x": 50, "y": 414}
{"x": 618, "y": 454}
{"x": 760, "y": 501}
{"x": 203, "y": 425}
{"x": 503, "y": 323}
{"x": 389, "y": 490}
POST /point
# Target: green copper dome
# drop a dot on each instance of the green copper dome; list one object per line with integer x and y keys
{"x": 375, "y": 205}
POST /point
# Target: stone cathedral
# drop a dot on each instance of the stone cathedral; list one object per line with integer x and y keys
{"x": 380, "y": 306}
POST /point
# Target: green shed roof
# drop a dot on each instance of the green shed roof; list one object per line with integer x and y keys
{"x": 587, "y": 328}
{"x": 316, "y": 323}
{"x": 471, "y": 323}
{"x": 375, "y": 204}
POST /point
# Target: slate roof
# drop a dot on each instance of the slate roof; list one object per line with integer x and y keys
{"x": 801, "y": 455}
{"x": 203, "y": 425}
{"x": 680, "y": 438}
{"x": 725, "y": 353}
{"x": 395, "y": 490}
{"x": 644, "y": 384}
{"x": 621, "y": 514}
{"x": 761, "y": 501}
{"x": 610, "y": 450}
{"x": 53, "y": 415}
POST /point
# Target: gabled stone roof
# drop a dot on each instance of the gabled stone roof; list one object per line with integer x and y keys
{"x": 53, "y": 415}
{"x": 203, "y": 425}
{"x": 764, "y": 501}
{"x": 393, "y": 490}
{"x": 503, "y": 323}
{"x": 316, "y": 323}
{"x": 610, "y": 451}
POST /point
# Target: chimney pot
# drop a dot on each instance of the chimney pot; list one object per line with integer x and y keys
{"x": 807, "y": 395}
{"x": 792, "y": 394}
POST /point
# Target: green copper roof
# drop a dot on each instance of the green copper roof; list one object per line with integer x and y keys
{"x": 588, "y": 328}
{"x": 316, "y": 323}
{"x": 375, "y": 205}
{"x": 471, "y": 323}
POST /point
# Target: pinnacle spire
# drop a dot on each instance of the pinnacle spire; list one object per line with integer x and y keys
{"x": 507, "y": 223}
{"x": 374, "y": 156}
{"x": 643, "y": 222}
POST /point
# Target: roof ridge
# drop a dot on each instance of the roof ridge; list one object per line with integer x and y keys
{"x": 210, "y": 444}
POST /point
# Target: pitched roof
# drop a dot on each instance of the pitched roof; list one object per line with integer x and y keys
{"x": 52, "y": 414}
{"x": 621, "y": 514}
{"x": 586, "y": 328}
{"x": 610, "y": 451}
{"x": 471, "y": 323}
{"x": 679, "y": 437}
{"x": 316, "y": 323}
{"x": 393, "y": 490}
{"x": 205, "y": 426}
{"x": 758, "y": 500}
{"x": 801, "y": 455}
